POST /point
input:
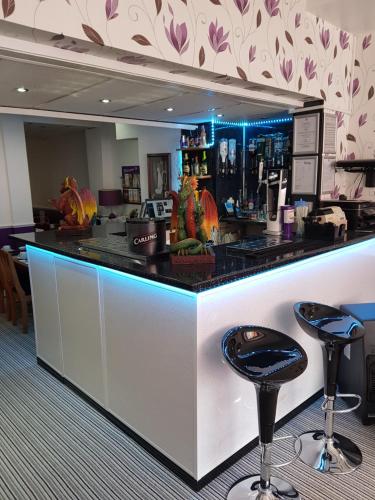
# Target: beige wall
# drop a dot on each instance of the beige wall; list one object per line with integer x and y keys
{"x": 51, "y": 158}
{"x": 152, "y": 140}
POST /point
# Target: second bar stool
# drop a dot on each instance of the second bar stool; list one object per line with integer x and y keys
{"x": 327, "y": 451}
{"x": 267, "y": 358}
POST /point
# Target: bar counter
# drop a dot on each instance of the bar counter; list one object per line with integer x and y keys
{"x": 227, "y": 268}
{"x": 143, "y": 342}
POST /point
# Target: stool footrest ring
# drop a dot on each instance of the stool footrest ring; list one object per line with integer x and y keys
{"x": 346, "y": 410}
{"x": 296, "y": 455}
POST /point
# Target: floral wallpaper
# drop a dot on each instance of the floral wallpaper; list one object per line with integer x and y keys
{"x": 361, "y": 134}
{"x": 357, "y": 131}
{"x": 267, "y": 42}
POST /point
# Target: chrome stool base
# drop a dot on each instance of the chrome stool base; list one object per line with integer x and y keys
{"x": 338, "y": 455}
{"x": 248, "y": 489}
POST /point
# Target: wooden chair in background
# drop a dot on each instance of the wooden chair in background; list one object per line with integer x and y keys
{"x": 14, "y": 292}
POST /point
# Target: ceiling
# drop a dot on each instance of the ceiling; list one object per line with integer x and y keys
{"x": 356, "y": 16}
{"x": 77, "y": 91}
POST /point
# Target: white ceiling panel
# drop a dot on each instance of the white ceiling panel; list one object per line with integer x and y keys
{"x": 123, "y": 94}
{"x": 77, "y": 91}
{"x": 45, "y": 82}
{"x": 196, "y": 108}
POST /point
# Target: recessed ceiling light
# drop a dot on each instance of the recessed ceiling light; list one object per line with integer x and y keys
{"x": 169, "y": 109}
{"x": 212, "y": 109}
{"x": 105, "y": 101}
{"x": 22, "y": 90}
{"x": 220, "y": 115}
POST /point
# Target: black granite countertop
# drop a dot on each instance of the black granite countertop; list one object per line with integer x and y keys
{"x": 227, "y": 268}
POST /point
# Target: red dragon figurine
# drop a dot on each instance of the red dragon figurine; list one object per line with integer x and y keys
{"x": 78, "y": 207}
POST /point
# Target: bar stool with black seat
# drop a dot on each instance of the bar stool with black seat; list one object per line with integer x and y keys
{"x": 325, "y": 450}
{"x": 267, "y": 358}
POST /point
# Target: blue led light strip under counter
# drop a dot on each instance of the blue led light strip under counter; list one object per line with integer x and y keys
{"x": 246, "y": 281}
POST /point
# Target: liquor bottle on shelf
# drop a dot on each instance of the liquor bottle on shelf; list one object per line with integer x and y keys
{"x": 261, "y": 146}
{"x": 268, "y": 149}
{"x": 203, "y": 138}
{"x": 252, "y": 155}
{"x": 186, "y": 165}
{"x": 191, "y": 141}
{"x": 196, "y": 166}
{"x": 204, "y": 169}
{"x": 223, "y": 157}
{"x": 232, "y": 156}
{"x": 183, "y": 142}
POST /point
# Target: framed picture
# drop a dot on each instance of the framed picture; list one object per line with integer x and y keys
{"x": 306, "y": 134}
{"x": 159, "y": 172}
{"x": 131, "y": 185}
{"x": 305, "y": 175}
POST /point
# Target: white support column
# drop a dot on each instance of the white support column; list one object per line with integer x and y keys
{"x": 15, "y": 193}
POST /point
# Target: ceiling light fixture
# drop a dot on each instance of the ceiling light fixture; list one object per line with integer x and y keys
{"x": 220, "y": 115}
{"x": 22, "y": 90}
{"x": 212, "y": 109}
{"x": 105, "y": 101}
{"x": 169, "y": 109}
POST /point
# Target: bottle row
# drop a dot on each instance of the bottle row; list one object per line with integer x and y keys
{"x": 194, "y": 166}
{"x": 194, "y": 140}
{"x": 274, "y": 150}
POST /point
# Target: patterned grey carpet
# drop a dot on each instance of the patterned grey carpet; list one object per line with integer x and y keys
{"x": 53, "y": 445}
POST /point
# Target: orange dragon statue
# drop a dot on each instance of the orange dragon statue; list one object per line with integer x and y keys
{"x": 78, "y": 207}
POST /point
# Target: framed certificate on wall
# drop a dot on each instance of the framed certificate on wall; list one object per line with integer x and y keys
{"x": 329, "y": 134}
{"x": 306, "y": 134}
{"x": 305, "y": 175}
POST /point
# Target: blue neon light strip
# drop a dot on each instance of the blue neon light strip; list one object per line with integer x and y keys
{"x": 139, "y": 279}
{"x": 260, "y": 123}
{"x": 286, "y": 268}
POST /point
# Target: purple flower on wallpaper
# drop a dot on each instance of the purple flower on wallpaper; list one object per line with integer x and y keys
{"x": 335, "y": 193}
{"x": 252, "y": 52}
{"x": 242, "y": 5}
{"x": 366, "y": 42}
{"x": 110, "y": 9}
{"x": 310, "y": 68}
{"x": 350, "y": 156}
{"x": 330, "y": 79}
{"x": 358, "y": 192}
{"x": 130, "y": 59}
{"x": 178, "y": 37}
{"x": 272, "y": 7}
{"x": 286, "y": 69}
{"x": 325, "y": 38}
{"x": 297, "y": 20}
{"x": 362, "y": 120}
{"x": 72, "y": 47}
{"x": 339, "y": 119}
{"x": 217, "y": 38}
{"x": 344, "y": 40}
{"x": 355, "y": 87}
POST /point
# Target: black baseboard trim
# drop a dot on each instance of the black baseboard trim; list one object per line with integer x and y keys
{"x": 183, "y": 475}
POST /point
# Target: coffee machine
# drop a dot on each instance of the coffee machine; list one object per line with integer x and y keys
{"x": 276, "y": 183}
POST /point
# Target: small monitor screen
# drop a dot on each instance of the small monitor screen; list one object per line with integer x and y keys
{"x": 150, "y": 209}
